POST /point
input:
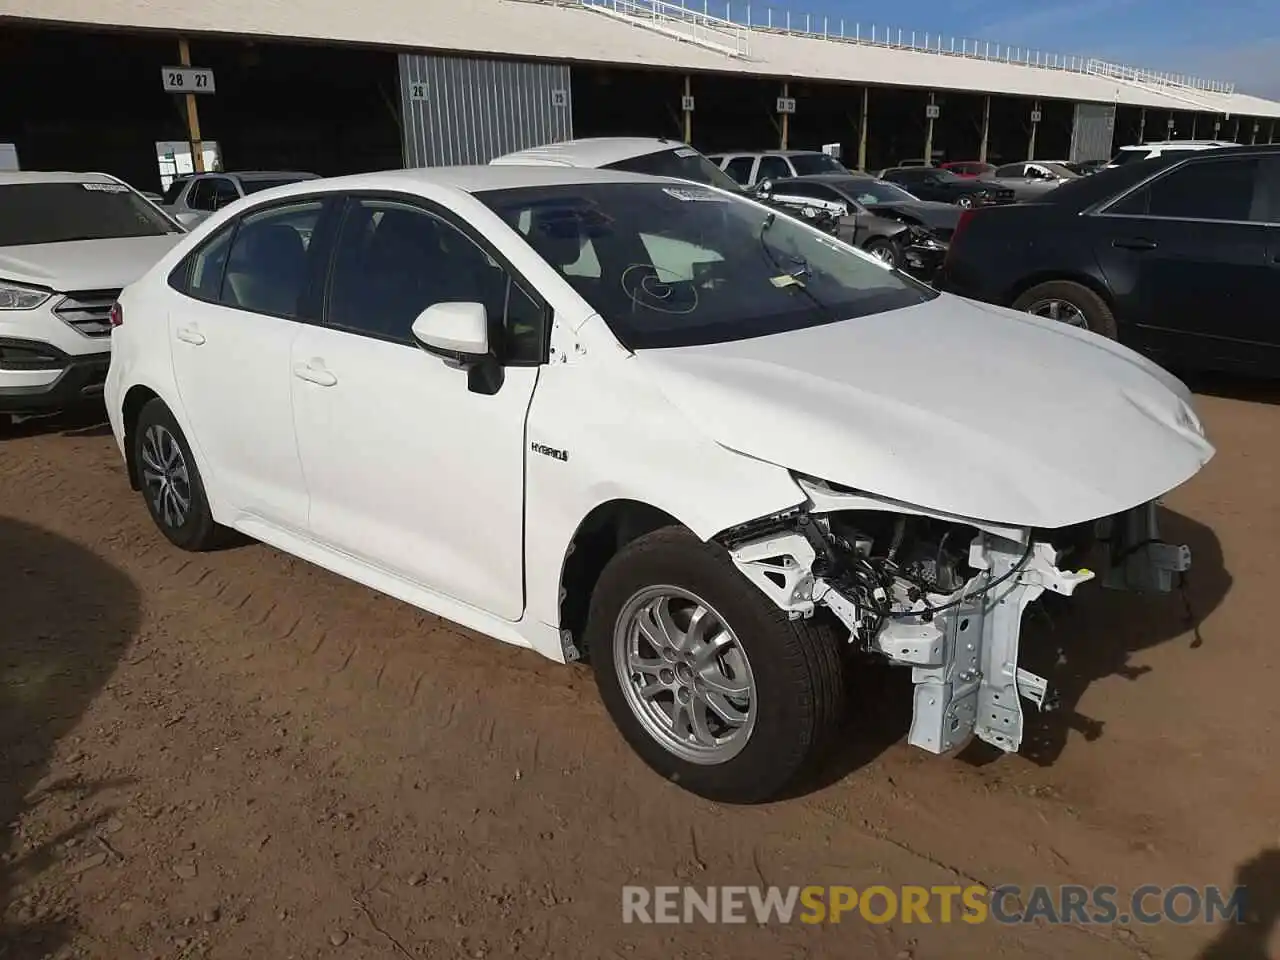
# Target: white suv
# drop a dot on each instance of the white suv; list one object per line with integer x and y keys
{"x": 68, "y": 243}
{"x": 1145, "y": 151}
{"x": 714, "y": 451}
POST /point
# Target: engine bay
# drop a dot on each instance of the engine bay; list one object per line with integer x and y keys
{"x": 943, "y": 597}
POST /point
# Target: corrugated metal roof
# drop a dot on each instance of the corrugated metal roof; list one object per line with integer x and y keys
{"x": 572, "y": 33}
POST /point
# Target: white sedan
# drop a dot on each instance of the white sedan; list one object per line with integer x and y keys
{"x": 654, "y": 425}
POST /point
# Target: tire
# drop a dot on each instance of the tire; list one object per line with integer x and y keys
{"x": 793, "y": 668}
{"x": 885, "y": 250}
{"x": 160, "y": 449}
{"x": 965, "y": 201}
{"x": 1094, "y": 311}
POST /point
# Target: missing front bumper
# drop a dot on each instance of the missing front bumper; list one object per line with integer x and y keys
{"x": 963, "y": 647}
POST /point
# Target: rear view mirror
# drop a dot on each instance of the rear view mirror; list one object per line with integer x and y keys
{"x": 457, "y": 332}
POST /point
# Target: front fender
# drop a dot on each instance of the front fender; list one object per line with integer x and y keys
{"x": 628, "y": 444}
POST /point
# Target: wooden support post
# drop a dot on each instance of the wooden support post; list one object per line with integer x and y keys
{"x": 1031, "y": 142}
{"x": 986, "y": 128}
{"x": 688, "y": 114}
{"x": 862, "y": 128}
{"x": 193, "y": 114}
{"x": 928, "y": 135}
{"x": 786, "y": 117}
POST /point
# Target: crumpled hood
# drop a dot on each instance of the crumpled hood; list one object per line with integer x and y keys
{"x": 935, "y": 215}
{"x": 951, "y": 405}
{"x": 84, "y": 264}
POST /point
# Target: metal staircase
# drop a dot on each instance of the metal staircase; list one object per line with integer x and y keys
{"x": 673, "y": 20}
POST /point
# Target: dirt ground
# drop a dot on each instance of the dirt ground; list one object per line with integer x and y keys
{"x": 239, "y": 755}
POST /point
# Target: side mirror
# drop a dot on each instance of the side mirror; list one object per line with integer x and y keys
{"x": 456, "y": 332}
{"x": 187, "y": 218}
{"x": 764, "y": 188}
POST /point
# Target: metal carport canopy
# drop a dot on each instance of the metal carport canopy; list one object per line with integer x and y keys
{"x": 572, "y": 33}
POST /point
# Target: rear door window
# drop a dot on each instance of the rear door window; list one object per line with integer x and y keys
{"x": 1202, "y": 190}
{"x": 773, "y": 168}
{"x": 739, "y": 168}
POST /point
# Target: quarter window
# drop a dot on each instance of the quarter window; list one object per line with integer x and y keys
{"x": 1202, "y": 190}
{"x": 204, "y": 281}
{"x": 267, "y": 268}
{"x": 393, "y": 260}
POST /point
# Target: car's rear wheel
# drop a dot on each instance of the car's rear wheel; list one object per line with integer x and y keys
{"x": 1068, "y": 302}
{"x": 708, "y": 681}
{"x": 884, "y": 250}
{"x": 170, "y": 481}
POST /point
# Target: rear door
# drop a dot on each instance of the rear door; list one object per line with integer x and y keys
{"x": 247, "y": 296}
{"x": 1190, "y": 258}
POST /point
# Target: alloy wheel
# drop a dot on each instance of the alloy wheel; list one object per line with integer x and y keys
{"x": 1061, "y": 311}
{"x": 685, "y": 675}
{"x": 165, "y": 476}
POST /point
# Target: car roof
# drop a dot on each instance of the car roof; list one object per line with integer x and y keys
{"x": 826, "y": 178}
{"x": 589, "y": 151}
{"x": 1083, "y": 192}
{"x": 1181, "y": 144}
{"x": 54, "y": 176}
{"x": 769, "y": 153}
{"x": 251, "y": 174}
{"x": 468, "y": 179}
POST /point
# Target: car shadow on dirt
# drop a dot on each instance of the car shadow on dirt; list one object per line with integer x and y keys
{"x": 1074, "y": 642}
{"x": 67, "y": 619}
{"x": 1248, "y": 389}
{"x": 88, "y": 420}
{"x": 1249, "y": 936}
{"x": 1077, "y": 641}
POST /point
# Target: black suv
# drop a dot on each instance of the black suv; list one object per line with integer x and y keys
{"x": 1177, "y": 256}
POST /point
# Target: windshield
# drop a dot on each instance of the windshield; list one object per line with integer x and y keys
{"x": 262, "y": 183}
{"x": 684, "y": 163}
{"x": 67, "y": 211}
{"x": 675, "y": 266}
{"x": 870, "y": 192}
{"x": 808, "y": 164}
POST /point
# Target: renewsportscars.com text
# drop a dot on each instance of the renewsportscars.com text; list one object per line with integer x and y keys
{"x": 973, "y": 904}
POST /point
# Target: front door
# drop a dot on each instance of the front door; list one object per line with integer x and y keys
{"x": 407, "y": 468}
{"x": 232, "y": 337}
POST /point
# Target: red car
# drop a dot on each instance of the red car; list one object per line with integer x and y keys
{"x": 968, "y": 168}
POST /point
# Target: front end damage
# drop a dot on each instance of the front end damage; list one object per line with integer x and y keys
{"x": 943, "y": 595}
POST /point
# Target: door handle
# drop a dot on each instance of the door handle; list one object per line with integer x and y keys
{"x": 1134, "y": 243}
{"x": 190, "y": 335}
{"x": 314, "y": 374}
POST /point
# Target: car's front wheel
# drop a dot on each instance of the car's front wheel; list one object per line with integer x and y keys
{"x": 170, "y": 481}
{"x": 965, "y": 201}
{"x": 708, "y": 680}
{"x": 884, "y": 250}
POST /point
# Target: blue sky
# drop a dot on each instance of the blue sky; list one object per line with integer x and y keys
{"x": 1237, "y": 40}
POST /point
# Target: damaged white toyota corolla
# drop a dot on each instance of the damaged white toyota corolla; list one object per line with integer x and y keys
{"x": 655, "y": 425}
